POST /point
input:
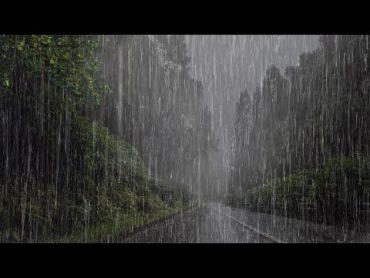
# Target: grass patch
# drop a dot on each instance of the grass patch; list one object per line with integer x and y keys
{"x": 124, "y": 223}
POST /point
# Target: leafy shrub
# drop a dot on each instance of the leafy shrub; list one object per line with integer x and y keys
{"x": 337, "y": 190}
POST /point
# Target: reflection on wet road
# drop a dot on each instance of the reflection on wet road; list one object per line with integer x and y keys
{"x": 201, "y": 225}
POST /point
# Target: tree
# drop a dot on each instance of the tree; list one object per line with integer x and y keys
{"x": 68, "y": 61}
{"x": 319, "y": 111}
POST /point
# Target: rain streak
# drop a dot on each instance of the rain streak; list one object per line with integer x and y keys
{"x": 184, "y": 138}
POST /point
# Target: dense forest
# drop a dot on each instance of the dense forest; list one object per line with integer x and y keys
{"x": 165, "y": 116}
{"x": 301, "y": 138}
{"x": 103, "y": 134}
{"x": 99, "y": 134}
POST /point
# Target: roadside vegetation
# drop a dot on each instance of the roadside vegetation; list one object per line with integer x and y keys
{"x": 64, "y": 176}
{"x": 302, "y": 137}
{"x": 338, "y": 193}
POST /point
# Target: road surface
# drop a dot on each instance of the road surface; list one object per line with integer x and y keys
{"x": 205, "y": 224}
{"x": 217, "y": 223}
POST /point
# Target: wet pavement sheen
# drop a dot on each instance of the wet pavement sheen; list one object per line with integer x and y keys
{"x": 200, "y": 225}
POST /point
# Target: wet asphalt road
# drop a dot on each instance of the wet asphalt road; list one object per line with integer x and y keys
{"x": 217, "y": 223}
{"x": 200, "y": 225}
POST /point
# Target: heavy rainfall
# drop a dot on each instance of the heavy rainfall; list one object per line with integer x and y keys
{"x": 184, "y": 138}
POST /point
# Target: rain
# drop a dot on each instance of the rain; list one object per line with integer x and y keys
{"x": 184, "y": 139}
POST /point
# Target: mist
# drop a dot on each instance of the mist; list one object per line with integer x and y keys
{"x": 184, "y": 138}
{"x": 229, "y": 64}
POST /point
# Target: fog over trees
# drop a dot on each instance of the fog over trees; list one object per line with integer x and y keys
{"x": 229, "y": 64}
{"x": 207, "y": 138}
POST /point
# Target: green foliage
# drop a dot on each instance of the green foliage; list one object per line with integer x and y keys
{"x": 171, "y": 194}
{"x": 319, "y": 109}
{"x": 68, "y": 60}
{"x": 62, "y": 173}
{"x": 111, "y": 185}
{"x": 171, "y": 133}
{"x": 337, "y": 189}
